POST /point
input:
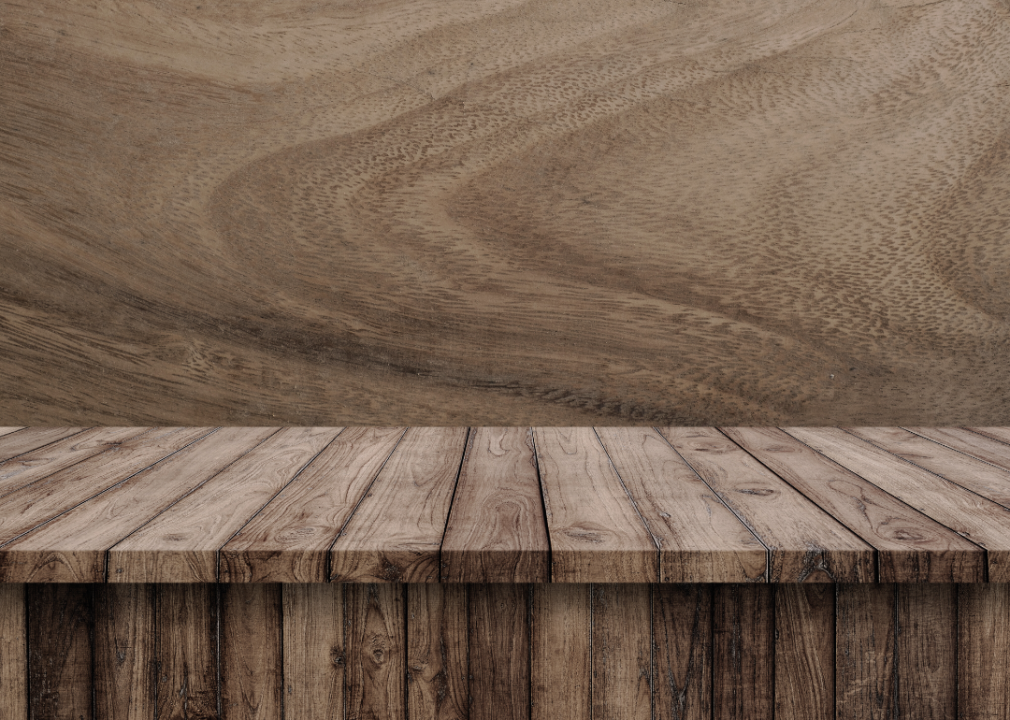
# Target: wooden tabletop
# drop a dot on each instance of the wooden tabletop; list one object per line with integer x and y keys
{"x": 504, "y": 504}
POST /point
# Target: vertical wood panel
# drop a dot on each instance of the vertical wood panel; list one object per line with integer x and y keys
{"x": 437, "y": 652}
{"x": 499, "y": 647}
{"x": 251, "y": 666}
{"x": 742, "y": 652}
{"x": 186, "y": 627}
{"x": 804, "y": 652}
{"x": 682, "y": 638}
{"x": 375, "y": 651}
{"x": 124, "y": 652}
{"x": 313, "y": 649}
{"x": 622, "y": 653}
{"x": 864, "y": 652}
{"x": 13, "y": 653}
{"x": 561, "y": 662}
{"x": 983, "y": 664}
{"x": 59, "y": 629}
{"x": 927, "y": 651}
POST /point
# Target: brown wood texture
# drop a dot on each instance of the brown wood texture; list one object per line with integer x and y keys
{"x": 313, "y": 647}
{"x": 804, "y": 651}
{"x": 499, "y": 651}
{"x": 865, "y": 673}
{"x": 186, "y": 641}
{"x": 682, "y": 651}
{"x": 910, "y": 546}
{"x": 13, "y": 653}
{"x": 968, "y": 442}
{"x": 439, "y": 212}
{"x": 251, "y": 663}
{"x": 622, "y": 652}
{"x": 562, "y": 652}
{"x": 983, "y": 652}
{"x": 926, "y": 649}
{"x": 496, "y": 531}
{"x": 60, "y": 652}
{"x": 375, "y": 647}
{"x": 14, "y": 445}
{"x": 743, "y": 652}
{"x": 125, "y": 666}
{"x": 438, "y": 659}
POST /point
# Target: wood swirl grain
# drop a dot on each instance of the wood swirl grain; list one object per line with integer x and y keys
{"x": 505, "y": 212}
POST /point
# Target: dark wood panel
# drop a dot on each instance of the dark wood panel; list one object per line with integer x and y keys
{"x": 743, "y": 652}
{"x": 499, "y": 650}
{"x": 313, "y": 647}
{"x": 926, "y": 651}
{"x": 60, "y": 623}
{"x": 682, "y": 651}
{"x": 804, "y": 652}
{"x": 438, "y": 660}
{"x": 561, "y": 683}
{"x": 125, "y": 663}
{"x": 865, "y": 673}
{"x": 622, "y": 652}
{"x": 983, "y": 653}
{"x": 376, "y": 662}
{"x": 251, "y": 663}
{"x": 186, "y": 640}
{"x": 13, "y": 653}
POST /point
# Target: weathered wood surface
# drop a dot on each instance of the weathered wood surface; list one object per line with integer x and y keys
{"x": 561, "y": 212}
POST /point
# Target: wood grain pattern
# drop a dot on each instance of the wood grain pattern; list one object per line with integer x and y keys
{"x": 406, "y": 212}
{"x": 376, "y": 663}
{"x": 597, "y": 534}
{"x": 983, "y": 652}
{"x": 804, "y": 651}
{"x": 1001, "y": 434}
{"x": 125, "y": 667}
{"x": 622, "y": 652}
{"x": 499, "y": 651}
{"x": 926, "y": 650}
{"x": 9, "y": 430}
{"x": 16, "y": 444}
{"x": 313, "y": 647}
{"x": 395, "y": 532}
{"x": 289, "y": 539}
{"x": 700, "y": 539}
{"x": 186, "y": 641}
{"x": 496, "y": 531}
{"x": 968, "y": 442}
{"x": 438, "y": 659}
{"x": 805, "y": 543}
{"x": 743, "y": 652}
{"x": 866, "y": 679}
{"x": 682, "y": 651}
{"x": 911, "y": 547}
{"x": 13, "y": 653}
{"x": 251, "y": 640}
{"x": 59, "y": 636}
{"x": 561, "y": 682}
{"x": 203, "y": 521}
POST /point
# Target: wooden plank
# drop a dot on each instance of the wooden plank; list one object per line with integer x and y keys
{"x": 437, "y": 652}
{"x": 376, "y": 663}
{"x": 865, "y": 678}
{"x": 926, "y": 650}
{"x": 561, "y": 683}
{"x": 313, "y": 650}
{"x": 73, "y": 548}
{"x": 622, "y": 652}
{"x": 496, "y": 531}
{"x": 983, "y": 651}
{"x": 499, "y": 651}
{"x": 968, "y": 442}
{"x": 911, "y": 547}
{"x": 700, "y": 539}
{"x": 181, "y": 544}
{"x": 9, "y": 430}
{"x": 595, "y": 531}
{"x": 186, "y": 642}
{"x": 33, "y": 438}
{"x": 805, "y": 543}
{"x": 682, "y": 642}
{"x": 395, "y": 533}
{"x": 60, "y": 622}
{"x": 984, "y": 522}
{"x": 37, "y": 464}
{"x": 999, "y": 433}
{"x": 13, "y": 653}
{"x": 252, "y": 671}
{"x": 289, "y": 539}
{"x": 743, "y": 652}
{"x": 804, "y": 651}
{"x": 40, "y": 502}
{"x": 125, "y": 664}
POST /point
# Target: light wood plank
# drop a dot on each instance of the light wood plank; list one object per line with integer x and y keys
{"x": 34, "y": 438}
{"x": 182, "y": 543}
{"x": 982, "y": 521}
{"x": 125, "y": 663}
{"x": 806, "y": 544}
{"x": 983, "y": 651}
{"x": 999, "y": 433}
{"x": 968, "y": 442}
{"x": 622, "y": 652}
{"x": 252, "y": 672}
{"x": 60, "y": 652}
{"x": 73, "y": 548}
{"x": 13, "y": 653}
{"x": 437, "y": 652}
{"x": 562, "y": 657}
{"x": 289, "y": 540}
{"x": 186, "y": 642}
{"x": 313, "y": 647}
{"x": 37, "y": 464}
{"x": 499, "y": 651}
{"x": 911, "y": 547}
{"x": 496, "y": 531}
{"x": 395, "y": 533}
{"x": 926, "y": 650}
{"x": 42, "y": 501}
{"x": 376, "y": 662}
{"x": 682, "y": 642}
{"x": 9, "y": 430}
{"x": 865, "y": 673}
{"x": 743, "y": 652}
{"x": 595, "y": 530}
{"x": 700, "y": 539}
{"x": 804, "y": 651}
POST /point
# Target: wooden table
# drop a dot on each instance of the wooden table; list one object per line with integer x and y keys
{"x": 425, "y": 572}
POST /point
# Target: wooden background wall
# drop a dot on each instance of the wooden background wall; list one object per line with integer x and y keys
{"x": 504, "y": 212}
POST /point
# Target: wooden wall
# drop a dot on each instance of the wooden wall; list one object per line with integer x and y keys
{"x": 504, "y": 652}
{"x": 502, "y": 212}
